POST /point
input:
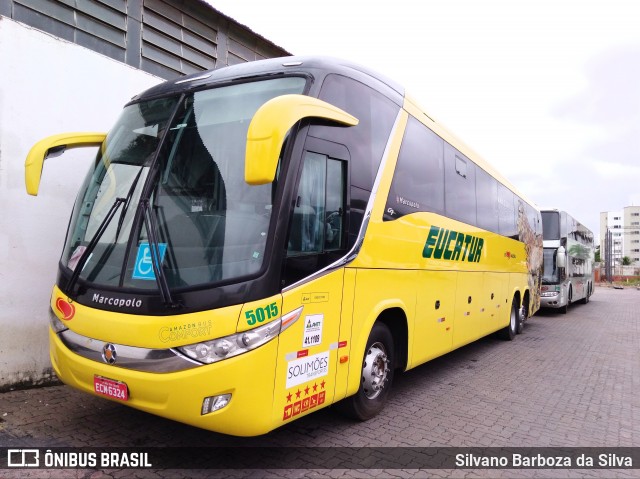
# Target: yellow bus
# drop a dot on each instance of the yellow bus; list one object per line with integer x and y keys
{"x": 255, "y": 243}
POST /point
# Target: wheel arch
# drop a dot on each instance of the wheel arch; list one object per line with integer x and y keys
{"x": 394, "y": 316}
{"x": 526, "y": 302}
{"x": 517, "y": 297}
{"x": 396, "y": 320}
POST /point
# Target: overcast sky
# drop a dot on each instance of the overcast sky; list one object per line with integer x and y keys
{"x": 548, "y": 91}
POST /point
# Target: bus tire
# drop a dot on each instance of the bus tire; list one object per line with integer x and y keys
{"x": 521, "y": 319}
{"x": 565, "y": 308}
{"x": 376, "y": 376}
{"x": 585, "y": 300}
{"x": 508, "y": 333}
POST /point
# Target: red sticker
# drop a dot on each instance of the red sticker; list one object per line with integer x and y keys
{"x": 67, "y": 309}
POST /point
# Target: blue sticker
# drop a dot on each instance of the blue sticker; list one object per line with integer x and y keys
{"x": 143, "y": 268}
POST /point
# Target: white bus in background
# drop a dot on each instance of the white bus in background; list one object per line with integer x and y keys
{"x": 568, "y": 261}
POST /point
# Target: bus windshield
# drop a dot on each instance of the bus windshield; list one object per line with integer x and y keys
{"x": 185, "y": 157}
{"x": 551, "y": 225}
{"x": 550, "y": 271}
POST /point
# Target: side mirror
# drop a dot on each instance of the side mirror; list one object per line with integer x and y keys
{"x": 53, "y": 146}
{"x": 561, "y": 258}
{"x": 270, "y": 125}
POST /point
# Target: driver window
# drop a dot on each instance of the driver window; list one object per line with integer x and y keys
{"x": 319, "y": 209}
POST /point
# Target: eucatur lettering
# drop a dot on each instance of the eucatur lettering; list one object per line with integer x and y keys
{"x": 452, "y": 246}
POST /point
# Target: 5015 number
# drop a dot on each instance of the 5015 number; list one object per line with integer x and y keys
{"x": 258, "y": 315}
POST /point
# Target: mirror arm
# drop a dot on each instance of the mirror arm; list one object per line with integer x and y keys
{"x": 54, "y": 146}
{"x": 269, "y": 127}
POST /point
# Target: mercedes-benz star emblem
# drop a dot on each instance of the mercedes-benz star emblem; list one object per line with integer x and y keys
{"x": 109, "y": 353}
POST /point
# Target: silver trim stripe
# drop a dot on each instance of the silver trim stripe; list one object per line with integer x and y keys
{"x": 128, "y": 357}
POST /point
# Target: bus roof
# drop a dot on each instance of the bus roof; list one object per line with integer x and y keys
{"x": 294, "y": 64}
{"x": 319, "y": 66}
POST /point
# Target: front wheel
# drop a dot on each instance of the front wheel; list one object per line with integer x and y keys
{"x": 565, "y": 308}
{"x": 376, "y": 376}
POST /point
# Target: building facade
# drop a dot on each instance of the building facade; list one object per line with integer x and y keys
{"x": 166, "y": 38}
{"x": 624, "y": 229}
{"x": 631, "y": 234}
{"x": 71, "y": 65}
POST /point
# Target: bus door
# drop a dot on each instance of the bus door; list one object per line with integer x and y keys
{"x": 308, "y": 353}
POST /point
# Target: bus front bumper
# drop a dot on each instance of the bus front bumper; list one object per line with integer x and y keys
{"x": 552, "y": 299}
{"x": 180, "y": 395}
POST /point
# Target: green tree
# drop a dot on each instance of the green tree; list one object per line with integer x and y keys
{"x": 626, "y": 261}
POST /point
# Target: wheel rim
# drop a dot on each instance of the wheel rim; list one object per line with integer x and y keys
{"x": 375, "y": 371}
{"x": 514, "y": 319}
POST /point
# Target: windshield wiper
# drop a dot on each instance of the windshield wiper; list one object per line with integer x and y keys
{"x": 123, "y": 213}
{"x": 161, "y": 279}
{"x": 92, "y": 244}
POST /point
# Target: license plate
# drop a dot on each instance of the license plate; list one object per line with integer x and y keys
{"x": 110, "y": 388}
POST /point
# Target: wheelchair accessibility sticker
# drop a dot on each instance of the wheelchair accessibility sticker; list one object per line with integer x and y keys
{"x": 144, "y": 268}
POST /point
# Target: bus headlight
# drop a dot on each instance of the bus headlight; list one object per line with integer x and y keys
{"x": 215, "y": 350}
{"x": 550, "y": 291}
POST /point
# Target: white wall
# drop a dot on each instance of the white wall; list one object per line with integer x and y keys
{"x": 47, "y": 86}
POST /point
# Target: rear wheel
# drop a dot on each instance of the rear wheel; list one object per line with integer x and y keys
{"x": 522, "y": 318}
{"x": 585, "y": 300}
{"x": 376, "y": 376}
{"x": 509, "y": 331}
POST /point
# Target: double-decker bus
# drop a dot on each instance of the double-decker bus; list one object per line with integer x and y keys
{"x": 254, "y": 243}
{"x": 568, "y": 261}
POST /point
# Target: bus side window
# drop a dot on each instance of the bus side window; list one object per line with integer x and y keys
{"x": 460, "y": 186}
{"x": 487, "y": 201}
{"x": 317, "y": 221}
{"x": 507, "y": 212}
{"x": 335, "y": 205}
{"x": 418, "y": 181}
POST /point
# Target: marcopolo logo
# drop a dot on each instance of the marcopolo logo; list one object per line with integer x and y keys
{"x": 115, "y": 301}
{"x": 452, "y": 246}
{"x": 109, "y": 353}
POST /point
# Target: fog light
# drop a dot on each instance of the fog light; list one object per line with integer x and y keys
{"x": 215, "y": 403}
